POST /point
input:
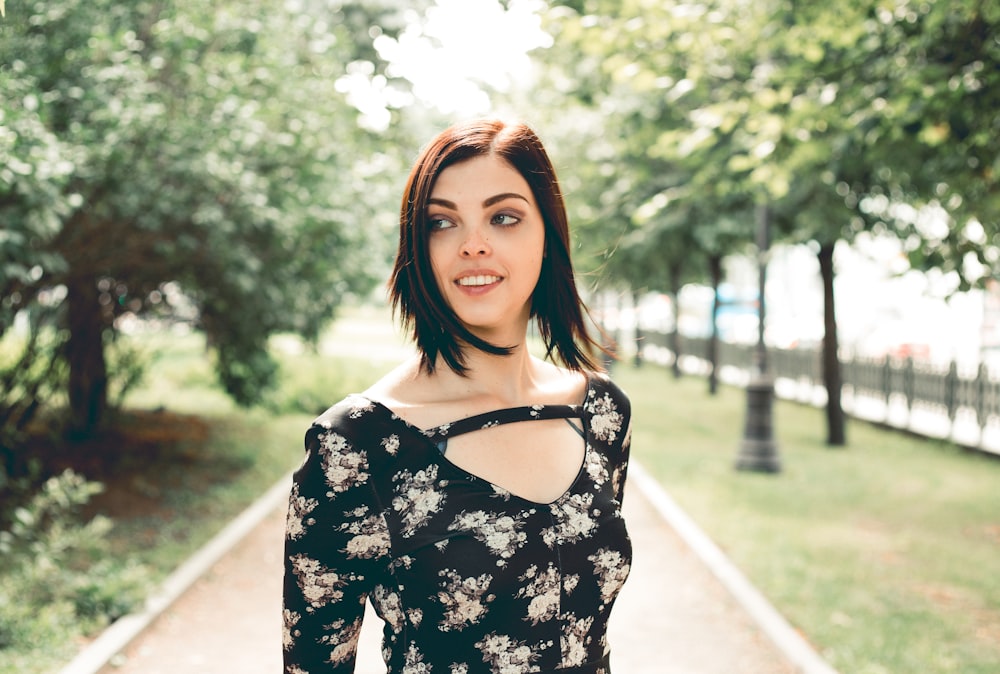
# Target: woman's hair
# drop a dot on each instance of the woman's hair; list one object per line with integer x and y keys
{"x": 416, "y": 298}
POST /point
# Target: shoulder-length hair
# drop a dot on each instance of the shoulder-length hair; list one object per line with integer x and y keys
{"x": 416, "y": 299}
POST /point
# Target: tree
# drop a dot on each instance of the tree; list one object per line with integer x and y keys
{"x": 157, "y": 155}
{"x": 647, "y": 68}
{"x": 843, "y": 119}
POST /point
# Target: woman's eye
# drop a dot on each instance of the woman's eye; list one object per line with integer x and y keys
{"x": 505, "y": 219}
{"x": 436, "y": 224}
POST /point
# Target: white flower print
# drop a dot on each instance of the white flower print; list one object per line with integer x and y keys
{"x": 611, "y": 571}
{"x": 456, "y": 668}
{"x": 597, "y": 468}
{"x": 605, "y": 420}
{"x": 370, "y": 535}
{"x": 545, "y": 590}
{"x": 342, "y": 467}
{"x": 574, "y": 639}
{"x": 298, "y": 510}
{"x": 344, "y": 640}
{"x": 401, "y": 562}
{"x": 414, "y": 663}
{"x": 295, "y": 669}
{"x": 417, "y": 498}
{"x": 506, "y": 655}
{"x": 464, "y": 599}
{"x": 500, "y": 533}
{"x": 290, "y": 619}
{"x": 359, "y": 406}
{"x": 573, "y": 521}
{"x": 319, "y": 584}
{"x": 390, "y": 606}
{"x": 391, "y": 444}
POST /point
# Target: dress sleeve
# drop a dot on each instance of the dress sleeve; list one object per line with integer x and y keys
{"x": 611, "y": 422}
{"x": 334, "y": 541}
{"x": 626, "y": 446}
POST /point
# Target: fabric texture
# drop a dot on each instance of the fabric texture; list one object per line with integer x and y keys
{"x": 469, "y": 578}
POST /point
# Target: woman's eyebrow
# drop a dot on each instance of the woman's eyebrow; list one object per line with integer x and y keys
{"x": 442, "y": 202}
{"x": 496, "y": 198}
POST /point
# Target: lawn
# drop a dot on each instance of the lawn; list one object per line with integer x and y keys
{"x": 885, "y": 554}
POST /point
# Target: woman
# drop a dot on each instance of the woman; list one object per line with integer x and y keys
{"x": 474, "y": 493}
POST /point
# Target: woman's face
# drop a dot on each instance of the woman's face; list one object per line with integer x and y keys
{"x": 487, "y": 240}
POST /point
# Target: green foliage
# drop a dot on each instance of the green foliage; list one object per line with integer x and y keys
{"x": 58, "y": 577}
{"x": 191, "y": 162}
{"x": 31, "y": 373}
{"x": 836, "y": 115}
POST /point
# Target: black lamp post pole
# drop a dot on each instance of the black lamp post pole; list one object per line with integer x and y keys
{"x": 757, "y": 450}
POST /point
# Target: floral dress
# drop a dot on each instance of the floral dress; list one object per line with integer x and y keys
{"x": 468, "y": 577}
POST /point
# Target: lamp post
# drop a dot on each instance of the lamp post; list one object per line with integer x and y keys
{"x": 757, "y": 450}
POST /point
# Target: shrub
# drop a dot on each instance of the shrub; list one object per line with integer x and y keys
{"x": 58, "y": 577}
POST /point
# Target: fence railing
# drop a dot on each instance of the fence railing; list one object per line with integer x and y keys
{"x": 931, "y": 400}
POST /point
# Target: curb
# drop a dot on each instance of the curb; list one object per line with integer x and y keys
{"x": 98, "y": 654}
{"x": 786, "y": 639}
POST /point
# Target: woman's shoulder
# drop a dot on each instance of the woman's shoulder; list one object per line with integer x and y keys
{"x": 601, "y": 384}
{"x": 608, "y": 410}
{"x": 353, "y": 411}
{"x": 360, "y": 410}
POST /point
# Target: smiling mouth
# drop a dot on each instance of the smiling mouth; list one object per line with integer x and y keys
{"x": 473, "y": 281}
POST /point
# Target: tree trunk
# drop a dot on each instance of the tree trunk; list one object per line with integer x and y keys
{"x": 675, "y": 335}
{"x": 715, "y": 271}
{"x": 831, "y": 361}
{"x": 638, "y": 328}
{"x": 88, "y": 375}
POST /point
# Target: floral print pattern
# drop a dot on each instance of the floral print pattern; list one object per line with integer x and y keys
{"x": 605, "y": 419}
{"x": 469, "y": 577}
{"x": 502, "y": 534}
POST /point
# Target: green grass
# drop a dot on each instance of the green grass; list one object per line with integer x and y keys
{"x": 183, "y": 460}
{"x": 885, "y": 554}
{"x": 245, "y": 451}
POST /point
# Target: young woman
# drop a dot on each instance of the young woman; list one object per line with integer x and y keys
{"x": 473, "y": 495}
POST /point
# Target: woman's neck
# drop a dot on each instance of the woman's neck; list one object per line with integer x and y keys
{"x": 507, "y": 381}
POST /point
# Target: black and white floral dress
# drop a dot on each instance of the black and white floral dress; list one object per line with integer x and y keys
{"x": 469, "y": 578}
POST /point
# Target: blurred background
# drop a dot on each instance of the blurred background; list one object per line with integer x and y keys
{"x": 198, "y": 212}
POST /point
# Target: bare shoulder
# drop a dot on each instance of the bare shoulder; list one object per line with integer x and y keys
{"x": 558, "y": 385}
{"x": 398, "y": 386}
{"x": 411, "y": 394}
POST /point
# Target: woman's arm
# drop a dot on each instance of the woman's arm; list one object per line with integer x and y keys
{"x": 332, "y": 546}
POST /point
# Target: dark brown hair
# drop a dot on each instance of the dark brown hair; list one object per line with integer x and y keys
{"x": 416, "y": 298}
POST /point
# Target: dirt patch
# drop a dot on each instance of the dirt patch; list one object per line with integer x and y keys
{"x": 138, "y": 457}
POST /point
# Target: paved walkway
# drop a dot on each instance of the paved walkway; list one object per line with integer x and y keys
{"x": 674, "y": 616}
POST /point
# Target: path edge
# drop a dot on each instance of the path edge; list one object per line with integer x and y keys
{"x": 113, "y": 640}
{"x": 785, "y": 638}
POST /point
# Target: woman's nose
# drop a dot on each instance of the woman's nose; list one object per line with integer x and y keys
{"x": 475, "y": 244}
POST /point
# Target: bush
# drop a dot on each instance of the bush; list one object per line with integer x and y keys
{"x": 58, "y": 578}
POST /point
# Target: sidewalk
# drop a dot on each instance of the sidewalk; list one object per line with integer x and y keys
{"x": 674, "y": 616}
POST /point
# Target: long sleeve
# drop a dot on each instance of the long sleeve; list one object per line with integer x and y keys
{"x": 611, "y": 423}
{"x": 335, "y": 546}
